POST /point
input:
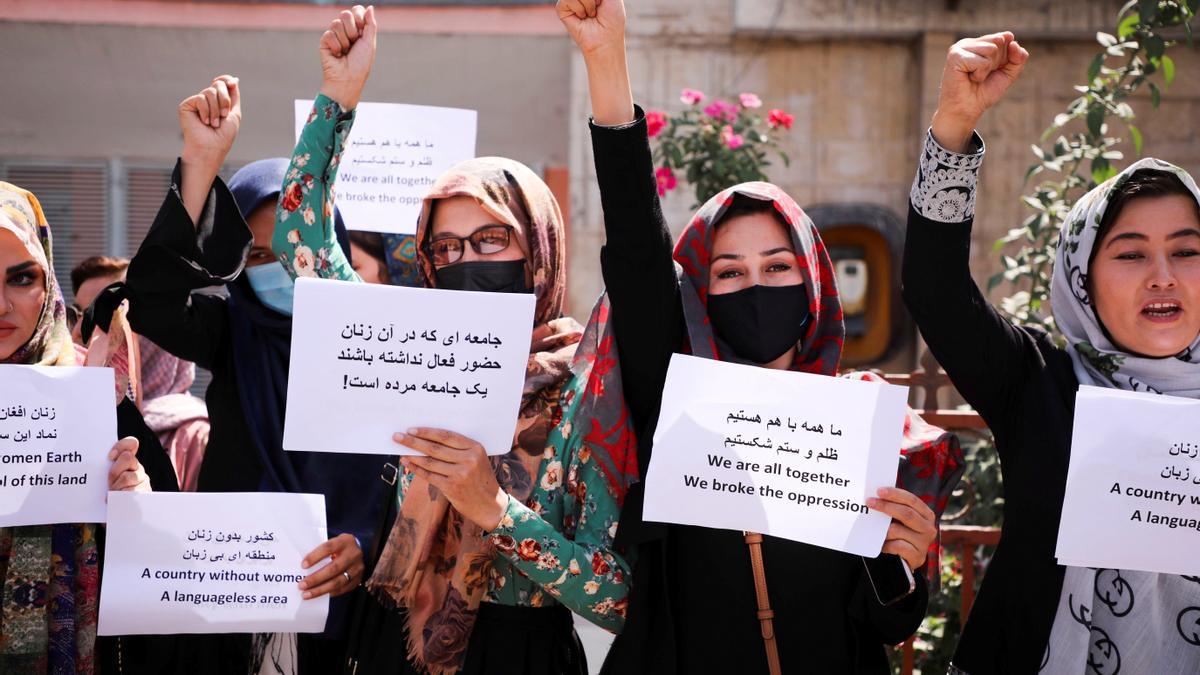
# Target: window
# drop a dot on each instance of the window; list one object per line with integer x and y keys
{"x": 78, "y": 197}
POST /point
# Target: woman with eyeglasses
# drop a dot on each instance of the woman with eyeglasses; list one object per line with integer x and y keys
{"x": 486, "y": 558}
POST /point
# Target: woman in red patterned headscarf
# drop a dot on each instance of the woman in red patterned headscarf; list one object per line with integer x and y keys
{"x": 748, "y": 281}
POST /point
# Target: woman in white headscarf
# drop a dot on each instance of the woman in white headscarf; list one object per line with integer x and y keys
{"x": 1126, "y": 296}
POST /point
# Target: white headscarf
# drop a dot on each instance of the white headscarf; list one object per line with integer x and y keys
{"x": 1119, "y": 621}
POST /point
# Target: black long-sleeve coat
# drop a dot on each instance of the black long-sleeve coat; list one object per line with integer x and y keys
{"x": 692, "y": 606}
{"x": 1024, "y": 388}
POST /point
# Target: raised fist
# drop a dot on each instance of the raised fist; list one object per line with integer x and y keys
{"x": 347, "y": 53}
{"x": 977, "y": 74}
{"x": 210, "y": 120}
{"x": 594, "y": 25}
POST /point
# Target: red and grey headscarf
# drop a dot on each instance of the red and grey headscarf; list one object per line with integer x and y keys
{"x": 931, "y": 460}
{"x": 820, "y": 348}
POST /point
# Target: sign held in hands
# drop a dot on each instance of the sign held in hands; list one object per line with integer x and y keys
{"x": 786, "y": 454}
{"x": 1134, "y": 478}
{"x": 369, "y": 361}
{"x": 190, "y": 562}
{"x": 57, "y": 426}
{"x": 394, "y": 154}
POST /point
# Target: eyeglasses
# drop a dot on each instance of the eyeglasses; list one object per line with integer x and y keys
{"x": 489, "y": 239}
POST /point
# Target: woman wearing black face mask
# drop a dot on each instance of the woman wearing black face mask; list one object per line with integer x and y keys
{"x": 749, "y": 281}
{"x": 485, "y": 559}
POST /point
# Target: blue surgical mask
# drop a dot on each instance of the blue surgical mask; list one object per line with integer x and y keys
{"x": 273, "y": 286}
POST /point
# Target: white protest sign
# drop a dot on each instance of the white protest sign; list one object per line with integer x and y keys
{"x": 194, "y": 562}
{"x": 57, "y": 426}
{"x": 377, "y": 360}
{"x": 791, "y": 455}
{"x": 394, "y": 154}
{"x": 1133, "y": 486}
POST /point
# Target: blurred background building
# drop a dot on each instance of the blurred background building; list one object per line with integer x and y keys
{"x": 88, "y": 121}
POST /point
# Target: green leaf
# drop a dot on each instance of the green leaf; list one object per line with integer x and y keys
{"x": 1102, "y": 170}
{"x": 1095, "y": 120}
{"x": 1168, "y": 66}
{"x": 1148, "y": 9}
{"x": 1127, "y": 25}
{"x": 1094, "y": 68}
{"x": 996, "y": 279}
{"x": 1155, "y": 46}
{"x": 1136, "y": 134}
{"x": 1155, "y": 95}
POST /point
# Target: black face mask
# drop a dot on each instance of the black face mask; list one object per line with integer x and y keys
{"x": 506, "y": 276}
{"x": 760, "y": 323}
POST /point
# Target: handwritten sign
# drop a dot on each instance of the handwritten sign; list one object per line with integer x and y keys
{"x": 1134, "y": 478}
{"x": 57, "y": 425}
{"x": 370, "y": 360}
{"x": 787, "y": 454}
{"x": 394, "y": 154}
{"x": 191, "y": 562}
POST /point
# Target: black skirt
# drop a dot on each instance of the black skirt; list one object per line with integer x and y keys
{"x": 506, "y": 640}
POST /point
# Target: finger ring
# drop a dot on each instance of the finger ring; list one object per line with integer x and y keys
{"x": 347, "y": 575}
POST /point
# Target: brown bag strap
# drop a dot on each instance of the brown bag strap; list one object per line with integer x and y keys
{"x": 765, "y": 615}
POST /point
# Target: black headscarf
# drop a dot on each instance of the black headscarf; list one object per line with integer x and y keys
{"x": 262, "y": 343}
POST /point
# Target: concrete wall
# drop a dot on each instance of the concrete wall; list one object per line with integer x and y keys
{"x": 863, "y": 98}
{"x": 97, "y": 91}
{"x": 860, "y": 76}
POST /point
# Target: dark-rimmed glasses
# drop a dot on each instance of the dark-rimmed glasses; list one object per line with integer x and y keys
{"x": 487, "y": 240}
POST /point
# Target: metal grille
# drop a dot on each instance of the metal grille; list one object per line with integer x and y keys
{"x": 75, "y": 200}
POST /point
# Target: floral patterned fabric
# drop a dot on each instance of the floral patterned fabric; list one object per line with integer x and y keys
{"x": 554, "y": 544}
{"x": 50, "y": 573}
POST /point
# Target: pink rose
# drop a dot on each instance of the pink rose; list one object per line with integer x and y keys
{"x": 777, "y": 118}
{"x": 734, "y": 141}
{"x": 666, "y": 180}
{"x": 691, "y": 96}
{"x": 655, "y": 121}
{"x": 750, "y": 100}
{"x": 721, "y": 110}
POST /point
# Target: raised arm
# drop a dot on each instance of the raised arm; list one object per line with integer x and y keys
{"x": 639, "y": 273}
{"x": 305, "y": 240}
{"x": 982, "y": 352}
{"x": 198, "y": 239}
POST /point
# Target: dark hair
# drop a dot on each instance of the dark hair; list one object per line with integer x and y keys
{"x": 744, "y": 205}
{"x": 95, "y": 267}
{"x": 1141, "y": 184}
{"x": 371, "y": 243}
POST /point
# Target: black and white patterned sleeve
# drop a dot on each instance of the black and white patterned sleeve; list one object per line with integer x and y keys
{"x": 945, "y": 184}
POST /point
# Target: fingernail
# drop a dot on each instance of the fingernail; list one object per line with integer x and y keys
{"x": 872, "y": 502}
{"x": 398, "y": 437}
{"x": 412, "y": 431}
{"x": 307, "y": 595}
{"x": 882, "y": 491}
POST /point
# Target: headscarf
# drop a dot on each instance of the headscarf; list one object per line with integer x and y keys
{"x": 435, "y": 562}
{"x": 262, "y": 346}
{"x": 179, "y": 419}
{"x": 931, "y": 461}
{"x": 50, "y": 573}
{"x": 1142, "y": 637}
{"x": 400, "y": 253}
